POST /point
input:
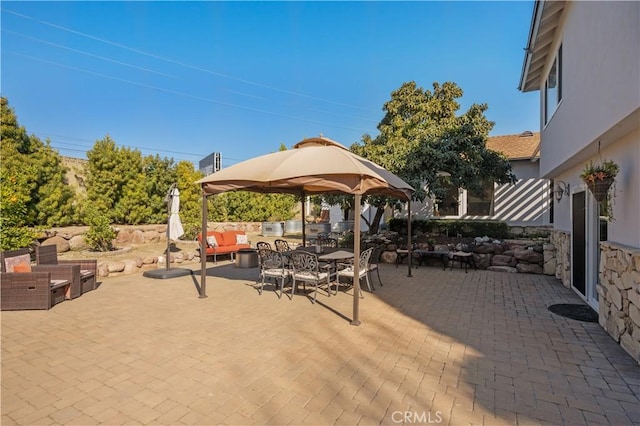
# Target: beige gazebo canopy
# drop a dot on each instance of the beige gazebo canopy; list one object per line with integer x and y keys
{"x": 314, "y": 166}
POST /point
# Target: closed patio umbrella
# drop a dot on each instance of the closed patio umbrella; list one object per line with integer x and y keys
{"x": 175, "y": 225}
{"x": 174, "y": 231}
{"x": 314, "y": 166}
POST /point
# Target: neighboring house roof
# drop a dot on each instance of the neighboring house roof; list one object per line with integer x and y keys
{"x": 524, "y": 146}
{"x": 545, "y": 20}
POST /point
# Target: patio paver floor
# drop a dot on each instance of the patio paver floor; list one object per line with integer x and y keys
{"x": 439, "y": 347}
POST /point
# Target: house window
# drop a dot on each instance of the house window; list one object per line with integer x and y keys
{"x": 553, "y": 87}
{"x": 448, "y": 205}
{"x": 480, "y": 203}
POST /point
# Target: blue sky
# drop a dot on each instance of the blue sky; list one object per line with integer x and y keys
{"x": 185, "y": 79}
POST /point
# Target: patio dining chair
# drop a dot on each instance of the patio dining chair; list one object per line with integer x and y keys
{"x": 347, "y": 270}
{"x": 374, "y": 262}
{"x": 262, "y": 245}
{"x": 273, "y": 265}
{"x": 306, "y": 268}
{"x": 282, "y": 246}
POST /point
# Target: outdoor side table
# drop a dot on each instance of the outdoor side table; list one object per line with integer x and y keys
{"x": 246, "y": 258}
{"x": 421, "y": 254}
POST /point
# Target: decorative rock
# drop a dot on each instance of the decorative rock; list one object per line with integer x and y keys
{"x": 529, "y": 256}
{"x": 483, "y": 261}
{"x": 137, "y": 237}
{"x": 116, "y": 266}
{"x": 139, "y": 262}
{"x": 529, "y": 268}
{"x": 149, "y": 260}
{"x": 103, "y": 269}
{"x": 385, "y": 257}
{"x": 130, "y": 266}
{"x": 502, "y": 269}
{"x": 151, "y": 237}
{"x": 484, "y": 248}
{"x": 503, "y": 260}
{"x": 77, "y": 242}
{"x": 123, "y": 238}
{"x": 62, "y": 245}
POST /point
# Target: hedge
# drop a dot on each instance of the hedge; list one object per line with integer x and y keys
{"x": 452, "y": 227}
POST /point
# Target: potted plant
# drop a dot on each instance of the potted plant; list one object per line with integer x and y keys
{"x": 600, "y": 177}
{"x": 431, "y": 244}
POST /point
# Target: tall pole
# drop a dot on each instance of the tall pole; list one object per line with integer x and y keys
{"x": 410, "y": 248}
{"x": 356, "y": 263}
{"x": 304, "y": 220}
{"x": 203, "y": 248}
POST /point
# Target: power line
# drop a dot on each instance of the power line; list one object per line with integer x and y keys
{"x": 172, "y": 61}
{"x": 173, "y": 92}
{"x": 104, "y": 58}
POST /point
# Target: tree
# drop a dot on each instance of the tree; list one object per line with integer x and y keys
{"x": 421, "y": 137}
{"x": 48, "y": 199}
{"x": 190, "y": 198}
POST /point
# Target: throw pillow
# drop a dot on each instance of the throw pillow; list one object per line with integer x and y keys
{"x": 11, "y": 262}
{"x": 211, "y": 241}
{"x": 22, "y": 267}
{"x": 241, "y": 239}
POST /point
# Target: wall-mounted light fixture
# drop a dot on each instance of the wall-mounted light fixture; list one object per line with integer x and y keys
{"x": 562, "y": 188}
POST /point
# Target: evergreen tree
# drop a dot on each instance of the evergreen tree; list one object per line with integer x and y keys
{"x": 49, "y": 200}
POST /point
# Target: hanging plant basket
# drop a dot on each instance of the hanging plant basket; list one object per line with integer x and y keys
{"x": 600, "y": 188}
{"x": 599, "y": 178}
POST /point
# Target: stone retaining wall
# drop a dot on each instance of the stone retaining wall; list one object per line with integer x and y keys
{"x": 619, "y": 295}
{"x": 513, "y": 256}
{"x": 72, "y": 239}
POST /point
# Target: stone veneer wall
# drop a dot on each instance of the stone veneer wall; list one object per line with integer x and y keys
{"x": 619, "y": 295}
{"x": 562, "y": 243}
{"x": 618, "y": 288}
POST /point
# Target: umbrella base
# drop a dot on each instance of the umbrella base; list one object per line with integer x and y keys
{"x": 163, "y": 274}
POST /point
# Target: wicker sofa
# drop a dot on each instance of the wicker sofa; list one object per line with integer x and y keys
{"x": 225, "y": 242}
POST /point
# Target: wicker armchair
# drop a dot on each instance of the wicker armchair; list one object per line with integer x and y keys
{"x": 83, "y": 280}
{"x": 29, "y": 290}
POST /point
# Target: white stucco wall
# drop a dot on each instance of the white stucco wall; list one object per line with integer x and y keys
{"x": 625, "y": 229}
{"x": 600, "y": 80}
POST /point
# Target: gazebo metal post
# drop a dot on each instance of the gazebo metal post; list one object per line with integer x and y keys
{"x": 304, "y": 220}
{"x": 356, "y": 262}
{"x": 203, "y": 248}
{"x": 410, "y": 243}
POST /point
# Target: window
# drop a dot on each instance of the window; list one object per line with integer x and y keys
{"x": 448, "y": 205}
{"x": 553, "y": 87}
{"x": 480, "y": 203}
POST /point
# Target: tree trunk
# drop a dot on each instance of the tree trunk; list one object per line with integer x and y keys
{"x": 375, "y": 223}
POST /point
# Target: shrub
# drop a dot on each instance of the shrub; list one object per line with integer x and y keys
{"x": 452, "y": 227}
{"x": 100, "y": 235}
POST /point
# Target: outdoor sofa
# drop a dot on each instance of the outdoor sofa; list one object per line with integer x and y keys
{"x": 225, "y": 242}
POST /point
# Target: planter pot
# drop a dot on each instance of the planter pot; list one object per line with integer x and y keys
{"x": 600, "y": 188}
{"x": 272, "y": 229}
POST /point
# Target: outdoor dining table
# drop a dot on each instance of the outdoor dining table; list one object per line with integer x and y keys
{"x": 333, "y": 256}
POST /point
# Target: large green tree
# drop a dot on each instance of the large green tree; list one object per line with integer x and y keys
{"x": 48, "y": 200}
{"x": 422, "y": 137}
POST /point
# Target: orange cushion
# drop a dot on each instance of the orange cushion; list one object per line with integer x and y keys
{"x": 22, "y": 267}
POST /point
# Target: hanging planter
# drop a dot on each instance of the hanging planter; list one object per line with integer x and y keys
{"x": 600, "y": 188}
{"x": 600, "y": 179}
